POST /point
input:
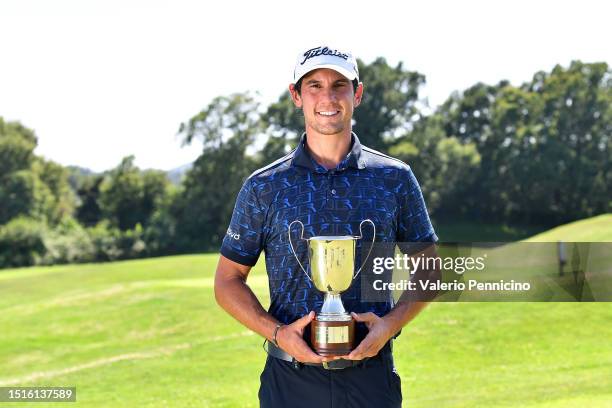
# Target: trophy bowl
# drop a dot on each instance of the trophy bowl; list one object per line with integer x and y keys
{"x": 332, "y": 262}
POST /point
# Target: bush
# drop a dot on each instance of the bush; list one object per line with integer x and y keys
{"x": 160, "y": 234}
{"x": 26, "y": 242}
{"x": 131, "y": 243}
{"x": 110, "y": 243}
{"x": 22, "y": 242}
{"x": 68, "y": 243}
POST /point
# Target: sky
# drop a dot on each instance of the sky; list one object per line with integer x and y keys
{"x": 100, "y": 80}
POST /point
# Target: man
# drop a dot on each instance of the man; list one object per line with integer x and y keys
{"x": 331, "y": 183}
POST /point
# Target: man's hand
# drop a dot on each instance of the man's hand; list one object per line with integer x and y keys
{"x": 379, "y": 333}
{"x": 290, "y": 338}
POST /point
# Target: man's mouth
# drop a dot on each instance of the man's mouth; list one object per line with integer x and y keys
{"x": 328, "y": 113}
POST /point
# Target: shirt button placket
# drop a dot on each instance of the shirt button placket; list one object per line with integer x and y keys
{"x": 331, "y": 191}
{"x": 331, "y": 183}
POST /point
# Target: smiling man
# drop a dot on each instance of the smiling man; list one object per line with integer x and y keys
{"x": 331, "y": 183}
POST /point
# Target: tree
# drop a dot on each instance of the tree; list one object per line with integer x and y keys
{"x": 467, "y": 115}
{"x": 544, "y": 146}
{"x": 445, "y": 167}
{"x": 23, "y": 193}
{"x": 88, "y": 211}
{"x": 29, "y": 185}
{"x": 129, "y": 197}
{"x": 226, "y": 128}
{"x": 571, "y": 140}
{"x": 62, "y": 201}
{"x": 17, "y": 145}
{"x": 389, "y": 102}
{"x": 284, "y": 124}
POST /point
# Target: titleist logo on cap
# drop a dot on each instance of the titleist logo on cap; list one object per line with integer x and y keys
{"x": 315, "y": 52}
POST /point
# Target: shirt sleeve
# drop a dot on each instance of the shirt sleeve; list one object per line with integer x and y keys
{"x": 414, "y": 224}
{"x": 243, "y": 241}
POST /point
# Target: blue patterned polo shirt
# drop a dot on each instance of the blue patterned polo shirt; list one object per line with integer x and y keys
{"x": 366, "y": 184}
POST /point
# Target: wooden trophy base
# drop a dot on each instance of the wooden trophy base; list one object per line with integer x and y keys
{"x": 332, "y": 337}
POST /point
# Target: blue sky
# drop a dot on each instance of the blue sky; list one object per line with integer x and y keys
{"x": 99, "y": 80}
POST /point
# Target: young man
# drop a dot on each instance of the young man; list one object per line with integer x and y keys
{"x": 331, "y": 183}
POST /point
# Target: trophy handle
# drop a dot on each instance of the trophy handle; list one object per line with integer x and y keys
{"x": 293, "y": 249}
{"x": 371, "y": 244}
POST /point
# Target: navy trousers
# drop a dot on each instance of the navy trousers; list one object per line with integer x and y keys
{"x": 375, "y": 383}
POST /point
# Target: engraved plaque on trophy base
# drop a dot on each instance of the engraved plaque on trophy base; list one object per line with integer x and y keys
{"x": 332, "y": 338}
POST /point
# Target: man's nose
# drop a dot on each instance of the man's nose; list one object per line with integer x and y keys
{"x": 330, "y": 94}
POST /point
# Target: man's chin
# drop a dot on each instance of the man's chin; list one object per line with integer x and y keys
{"x": 329, "y": 130}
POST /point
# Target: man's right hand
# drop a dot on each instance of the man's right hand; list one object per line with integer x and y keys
{"x": 290, "y": 338}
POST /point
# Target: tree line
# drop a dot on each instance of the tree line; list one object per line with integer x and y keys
{"x": 535, "y": 153}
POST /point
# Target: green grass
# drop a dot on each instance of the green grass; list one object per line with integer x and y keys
{"x": 465, "y": 231}
{"x": 148, "y": 333}
{"x": 595, "y": 229}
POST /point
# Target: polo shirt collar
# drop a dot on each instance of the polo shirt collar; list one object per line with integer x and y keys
{"x": 302, "y": 158}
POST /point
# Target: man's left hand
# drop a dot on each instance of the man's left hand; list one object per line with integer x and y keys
{"x": 379, "y": 333}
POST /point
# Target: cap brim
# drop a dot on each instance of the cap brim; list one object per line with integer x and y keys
{"x": 350, "y": 75}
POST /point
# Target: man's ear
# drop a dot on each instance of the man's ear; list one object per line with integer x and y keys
{"x": 358, "y": 94}
{"x": 295, "y": 96}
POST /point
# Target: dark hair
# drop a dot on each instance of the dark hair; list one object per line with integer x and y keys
{"x": 298, "y": 85}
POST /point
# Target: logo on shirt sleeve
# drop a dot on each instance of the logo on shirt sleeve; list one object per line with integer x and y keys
{"x": 233, "y": 234}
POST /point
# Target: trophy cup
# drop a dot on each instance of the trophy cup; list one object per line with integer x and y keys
{"x": 332, "y": 264}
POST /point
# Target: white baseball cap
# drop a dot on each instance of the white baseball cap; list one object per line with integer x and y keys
{"x": 326, "y": 57}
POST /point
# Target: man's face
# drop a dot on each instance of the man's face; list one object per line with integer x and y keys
{"x": 327, "y": 100}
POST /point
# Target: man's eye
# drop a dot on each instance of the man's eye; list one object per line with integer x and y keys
{"x": 315, "y": 86}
